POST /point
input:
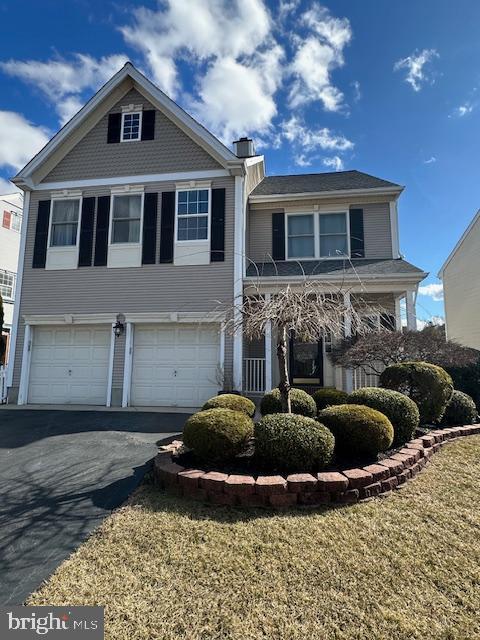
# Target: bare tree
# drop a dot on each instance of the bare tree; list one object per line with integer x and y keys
{"x": 307, "y": 310}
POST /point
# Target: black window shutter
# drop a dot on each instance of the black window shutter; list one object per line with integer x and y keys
{"x": 387, "y": 321}
{"x": 114, "y": 127}
{"x": 357, "y": 240}
{"x": 101, "y": 236}
{"x": 149, "y": 245}
{"x": 217, "y": 242}
{"x": 278, "y": 236}
{"x": 41, "y": 235}
{"x": 86, "y": 233}
{"x": 148, "y": 125}
{"x": 167, "y": 226}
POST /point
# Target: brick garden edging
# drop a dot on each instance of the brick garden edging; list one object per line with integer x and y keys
{"x": 330, "y": 487}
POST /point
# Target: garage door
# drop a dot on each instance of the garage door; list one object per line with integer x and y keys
{"x": 69, "y": 365}
{"x": 174, "y": 365}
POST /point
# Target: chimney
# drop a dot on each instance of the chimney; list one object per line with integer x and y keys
{"x": 244, "y": 148}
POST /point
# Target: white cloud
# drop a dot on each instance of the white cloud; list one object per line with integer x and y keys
{"x": 7, "y": 187}
{"x": 436, "y": 321}
{"x": 20, "y": 140}
{"x": 430, "y": 160}
{"x": 415, "y": 64}
{"x": 335, "y": 163}
{"x": 463, "y": 110}
{"x": 302, "y": 161}
{"x": 357, "y": 93}
{"x": 63, "y": 81}
{"x": 316, "y": 57}
{"x": 434, "y": 291}
{"x": 322, "y": 138}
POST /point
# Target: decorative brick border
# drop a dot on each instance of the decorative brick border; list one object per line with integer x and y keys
{"x": 331, "y": 487}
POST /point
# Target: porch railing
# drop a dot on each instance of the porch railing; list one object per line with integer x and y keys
{"x": 254, "y": 375}
{"x": 365, "y": 378}
{"x": 3, "y": 385}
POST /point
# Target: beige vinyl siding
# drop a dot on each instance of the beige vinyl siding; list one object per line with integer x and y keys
{"x": 376, "y": 220}
{"x": 461, "y": 284}
{"x": 149, "y": 288}
{"x": 255, "y": 174}
{"x": 172, "y": 150}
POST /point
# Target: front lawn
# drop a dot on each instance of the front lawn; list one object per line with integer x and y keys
{"x": 399, "y": 568}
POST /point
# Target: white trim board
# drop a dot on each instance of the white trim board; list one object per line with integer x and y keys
{"x": 316, "y": 195}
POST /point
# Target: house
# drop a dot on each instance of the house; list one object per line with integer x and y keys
{"x": 461, "y": 288}
{"x": 142, "y": 229}
{"x": 10, "y": 227}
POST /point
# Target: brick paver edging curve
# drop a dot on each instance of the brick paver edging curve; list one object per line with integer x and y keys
{"x": 305, "y": 489}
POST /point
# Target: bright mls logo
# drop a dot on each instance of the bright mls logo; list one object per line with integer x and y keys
{"x": 54, "y": 622}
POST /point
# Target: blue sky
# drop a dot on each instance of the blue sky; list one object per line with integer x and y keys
{"x": 390, "y": 88}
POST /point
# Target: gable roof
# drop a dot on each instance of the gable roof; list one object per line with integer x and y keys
{"x": 322, "y": 182}
{"x": 455, "y": 249}
{"x": 159, "y": 99}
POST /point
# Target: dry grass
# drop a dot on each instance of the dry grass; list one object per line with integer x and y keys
{"x": 400, "y": 568}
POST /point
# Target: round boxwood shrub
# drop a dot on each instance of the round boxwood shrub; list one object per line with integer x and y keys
{"x": 329, "y": 396}
{"x": 460, "y": 410}
{"x": 359, "y": 431}
{"x": 231, "y": 401}
{"x": 400, "y": 410}
{"x": 293, "y": 443}
{"x": 216, "y": 435}
{"x": 428, "y": 385}
{"x": 302, "y": 403}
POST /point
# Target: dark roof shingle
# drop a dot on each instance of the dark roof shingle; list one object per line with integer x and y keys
{"x": 380, "y": 267}
{"x": 317, "y": 182}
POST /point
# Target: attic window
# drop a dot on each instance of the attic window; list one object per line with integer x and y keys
{"x": 131, "y": 126}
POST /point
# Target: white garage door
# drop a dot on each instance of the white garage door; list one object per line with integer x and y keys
{"x": 69, "y": 365}
{"x": 174, "y": 365}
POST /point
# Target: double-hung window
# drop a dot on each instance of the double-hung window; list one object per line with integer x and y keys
{"x": 64, "y": 226}
{"x": 16, "y": 224}
{"x": 192, "y": 214}
{"x": 317, "y": 235}
{"x": 126, "y": 219}
{"x": 131, "y": 126}
{"x": 7, "y": 284}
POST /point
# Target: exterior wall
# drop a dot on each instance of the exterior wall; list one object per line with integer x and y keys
{"x": 145, "y": 289}
{"x": 376, "y": 219}
{"x": 9, "y": 248}
{"x": 172, "y": 150}
{"x": 255, "y": 174}
{"x": 461, "y": 284}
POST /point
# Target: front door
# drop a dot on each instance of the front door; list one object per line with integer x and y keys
{"x": 306, "y": 362}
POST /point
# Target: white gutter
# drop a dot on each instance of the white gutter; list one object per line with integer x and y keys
{"x": 306, "y": 195}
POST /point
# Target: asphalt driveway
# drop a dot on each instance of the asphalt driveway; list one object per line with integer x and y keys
{"x": 61, "y": 473}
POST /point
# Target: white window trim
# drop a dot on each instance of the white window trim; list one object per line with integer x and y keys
{"x": 58, "y": 249}
{"x": 14, "y": 276}
{"x": 114, "y": 194}
{"x": 132, "y": 113}
{"x": 208, "y": 214}
{"x": 316, "y": 234}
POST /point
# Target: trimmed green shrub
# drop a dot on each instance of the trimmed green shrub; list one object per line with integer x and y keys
{"x": 231, "y": 401}
{"x": 400, "y": 410}
{"x": 302, "y": 403}
{"x": 460, "y": 410}
{"x": 359, "y": 431}
{"x": 216, "y": 435}
{"x": 467, "y": 379}
{"x": 329, "y": 396}
{"x": 293, "y": 443}
{"x": 429, "y": 386}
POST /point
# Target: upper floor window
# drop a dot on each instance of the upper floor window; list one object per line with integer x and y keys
{"x": 126, "y": 219}
{"x": 7, "y": 284}
{"x": 64, "y": 223}
{"x": 319, "y": 235}
{"x": 131, "y": 126}
{"x": 192, "y": 214}
{"x": 12, "y": 220}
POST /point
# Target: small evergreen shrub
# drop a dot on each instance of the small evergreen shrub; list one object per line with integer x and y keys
{"x": 302, "y": 403}
{"x": 329, "y": 396}
{"x": 460, "y": 410}
{"x": 217, "y": 435}
{"x": 292, "y": 442}
{"x": 429, "y": 386}
{"x": 359, "y": 431}
{"x": 231, "y": 401}
{"x": 400, "y": 410}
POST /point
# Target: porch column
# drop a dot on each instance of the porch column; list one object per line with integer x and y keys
{"x": 411, "y": 314}
{"x": 398, "y": 314}
{"x": 268, "y": 351}
{"x": 348, "y": 333}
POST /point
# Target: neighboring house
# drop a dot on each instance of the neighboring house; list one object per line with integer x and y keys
{"x": 461, "y": 288}
{"x": 11, "y": 206}
{"x": 142, "y": 229}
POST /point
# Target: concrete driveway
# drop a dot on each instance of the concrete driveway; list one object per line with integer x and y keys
{"x": 61, "y": 473}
